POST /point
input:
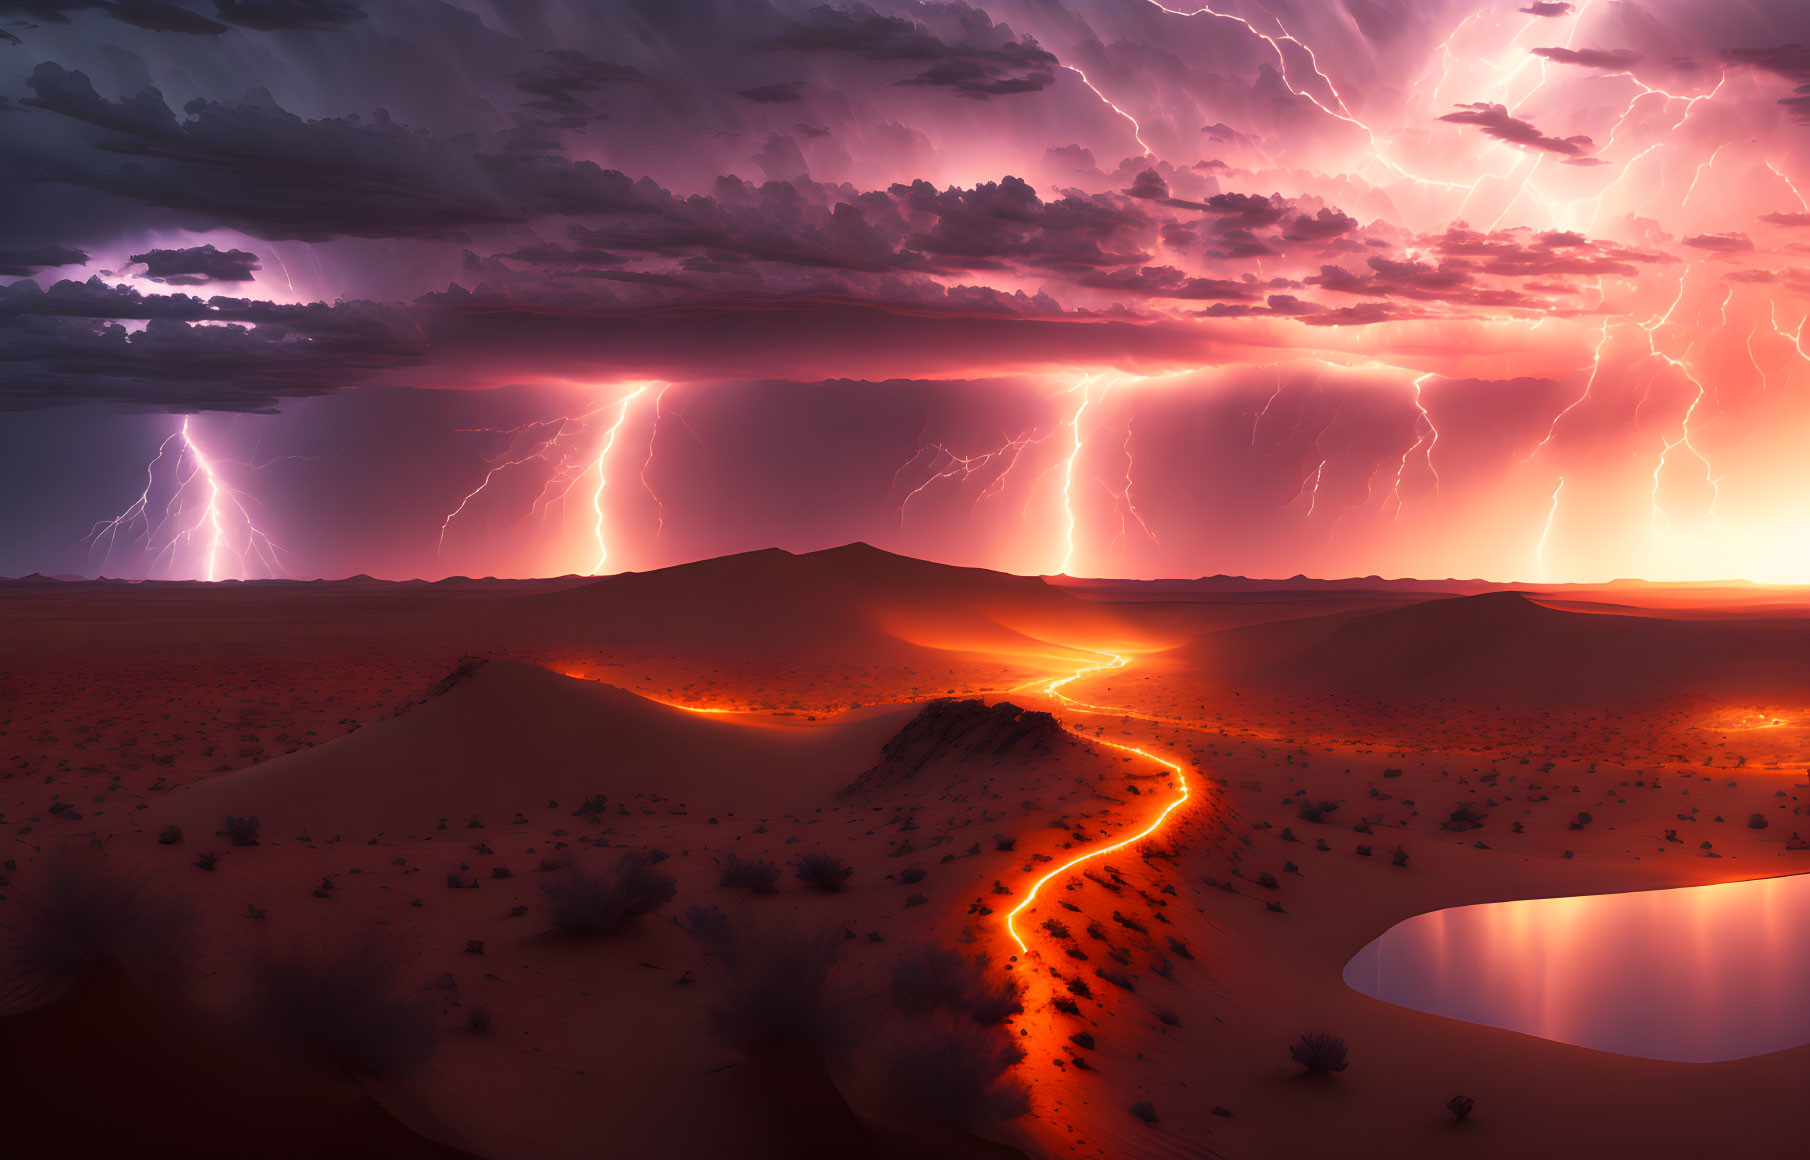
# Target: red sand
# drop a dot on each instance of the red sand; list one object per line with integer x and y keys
{"x": 314, "y": 707}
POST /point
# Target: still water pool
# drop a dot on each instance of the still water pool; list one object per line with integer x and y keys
{"x": 1697, "y": 974}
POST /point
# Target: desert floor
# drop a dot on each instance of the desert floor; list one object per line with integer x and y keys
{"x": 418, "y": 756}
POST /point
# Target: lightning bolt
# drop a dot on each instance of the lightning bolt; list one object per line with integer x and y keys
{"x": 1426, "y": 433}
{"x": 193, "y": 535}
{"x": 1137, "y": 131}
{"x": 1123, "y": 501}
{"x": 1342, "y": 112}
{"x": 542, "y": 449}
{"x": 1313, "y": 495}
{"x": 647, "y": 461}
{"x": 1596, "y": 366}
{"x": 603, "y": 463}
{"x": 1552, "y": 512}
{"x": 947, "y": 464}
{"x": 210, "y": 512}
{"x": 1068, "y": 472}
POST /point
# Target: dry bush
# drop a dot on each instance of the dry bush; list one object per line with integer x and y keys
{"x": 581, "y": 901}
{"x": 75, "y": 909}
{"x": 779, "y": 983}
{"x": 928, "y": 978}
{"x": 951, "y": 1070}
{"x": 348, "y": 1003}
{"x": 756, "y": 874}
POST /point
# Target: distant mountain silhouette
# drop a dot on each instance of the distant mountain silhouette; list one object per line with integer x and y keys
{"x": 783, "y": 604}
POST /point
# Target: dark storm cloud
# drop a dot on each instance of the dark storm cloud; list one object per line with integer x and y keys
{"x": 1617, "y": 59}
{"x": 161, "y": 16}
{"x": 472, "y": 335}
{"x": 277, "y": 15}
{"x": 197, "y": 264}
{"x": 985, "y": 63}
{"x": 1548, "y": 254}
{"x": 276, "y": 175}
{"x": 1731, "y": 243}
{"x": 1449, "y": 281}
{"x": 167, "y": 16}
{"x": 562, "y": 77}
{"x": 1247, "y": 211}
{"x": 68, "y": 345}
{"x": 781, "y": 93}
{"x": 1791, "y": 61}
{"x": 21, "y": 262}
{"x": 1325, "y": 225}
{"x": 1786, "y": 219}
{"x": 1547, "y": 8}
{"x": 1166, "y": 282}
{"x": 1497, "y": 122}
{"x": 49, "y": 11}
{"x": 982, "y": 227}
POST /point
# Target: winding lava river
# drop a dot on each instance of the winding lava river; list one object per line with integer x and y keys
{"x": 1054, "y": 689}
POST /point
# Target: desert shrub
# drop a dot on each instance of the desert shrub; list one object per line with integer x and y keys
{"x": 823, "y": 870}
{"x": 911, "y": 875}
{"x": 346, "y": 1003}
{"x": 1145, "y": 1111}
{"x": 927, "y": 978}
{"x": 1315, "y": 811}
{"x": 1464, "y": 817}
{"x": 755, "y": 874}
{"x": 951, "y": 1070}
{"x": 1319, "y": 1053}
{"x": 1757, "y": 822}
{"x": 1460, "y": 1107}
{"x": 592, "y": 806}
{"x": 1004, "y": 841}
{"x": 241, "y": 831}
{"x": 75, "y": 909}
{"x": 169, "y": 835}
{"x": 581, "y": 901}
{"x": 778, "y": 983}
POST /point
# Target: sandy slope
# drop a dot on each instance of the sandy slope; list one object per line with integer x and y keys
{"x": 510, "y": 738}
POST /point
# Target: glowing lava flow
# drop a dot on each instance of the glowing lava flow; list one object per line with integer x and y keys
{"x": 1054, "y": 689}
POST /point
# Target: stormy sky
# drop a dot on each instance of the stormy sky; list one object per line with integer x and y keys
{"x": 1336, "y": 287}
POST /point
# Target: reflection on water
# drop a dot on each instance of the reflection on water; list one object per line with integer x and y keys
{"x": 1700, "y": 973}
